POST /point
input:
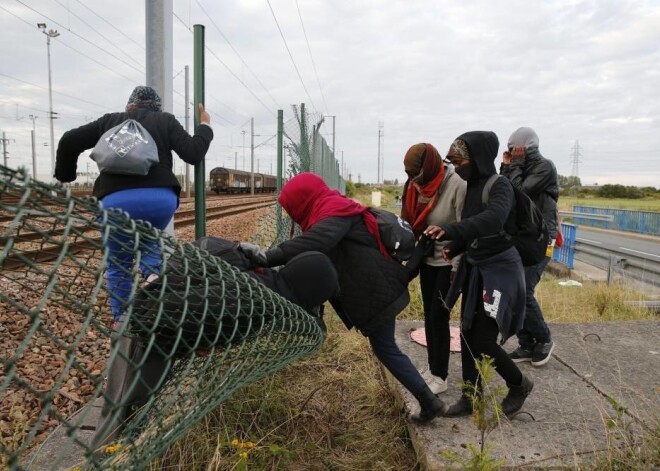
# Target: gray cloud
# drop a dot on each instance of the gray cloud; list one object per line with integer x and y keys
{"x": 429, "y": 70}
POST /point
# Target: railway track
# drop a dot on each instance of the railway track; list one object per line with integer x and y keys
{"x": 210, "y": 196}
{"x": 23, "y": 250}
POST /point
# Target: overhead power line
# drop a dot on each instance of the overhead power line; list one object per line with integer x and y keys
{"x": 239, "y": 80}
{"x": 82, "y": 37}
{"x": 111, "y": 42}
{"x": 113, "y": 26}
{"x": 31, "y": 25}
{"x": 311, "y": 56}
{"x": 212, "y": 52}
{"x": 133, "y": 81}
{"x": 54, "y": 91}
{"x": 291, "y": 56}
{"x": 237, "y": 54}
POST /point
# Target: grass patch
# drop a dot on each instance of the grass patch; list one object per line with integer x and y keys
{"x": 331, "y": 411}
{"x": 591, "y": 302}
{"x": 566, "y": 203}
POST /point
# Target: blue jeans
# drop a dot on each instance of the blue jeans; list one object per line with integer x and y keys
{"x": 155, "y": 205}
{"x": 387, "y": 351}
{"x": 534, "y": 330}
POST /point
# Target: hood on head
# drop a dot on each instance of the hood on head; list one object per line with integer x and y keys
{"x": 483, "y": 147}
{"x": 524, "y": 137}
{"x": 299, "y": 194}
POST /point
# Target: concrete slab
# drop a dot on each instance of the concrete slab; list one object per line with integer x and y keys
{"x": 65, "y": 446}
{"x": 569, "y": 408}
{"x": 619, "y": 359}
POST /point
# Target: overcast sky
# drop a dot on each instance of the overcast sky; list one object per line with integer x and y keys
{"x": 583, "y": 72}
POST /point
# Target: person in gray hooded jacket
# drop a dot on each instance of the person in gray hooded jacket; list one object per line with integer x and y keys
{"x": 535, "y": 175}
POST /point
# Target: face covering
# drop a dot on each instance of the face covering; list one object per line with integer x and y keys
{"x": 465, "y": 171}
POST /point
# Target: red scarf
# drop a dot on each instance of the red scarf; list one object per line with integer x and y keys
{"x": 426, "y": 183}
{"x": 307, "y": 199}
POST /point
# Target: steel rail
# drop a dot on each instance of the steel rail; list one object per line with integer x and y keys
{"x": 17, "y": 259}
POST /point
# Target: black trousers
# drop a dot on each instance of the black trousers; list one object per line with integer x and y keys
{"x": 434, "y": 282}
{"x": 481, "y": 339}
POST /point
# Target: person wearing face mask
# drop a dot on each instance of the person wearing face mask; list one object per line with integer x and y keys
{"x": 433, "y": 194}
{"x": 536, "y": 176}
{"x": 490, "y": 276}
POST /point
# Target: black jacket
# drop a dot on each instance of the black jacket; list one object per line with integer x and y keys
{"x": 166, "y": 131}
{"x": 491, "y": 276}
{"x": 537, "y": 177}
{"x": 372, "y": 287}
{"x": 481, "y": 231}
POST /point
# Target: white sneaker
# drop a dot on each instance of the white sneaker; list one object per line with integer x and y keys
{"x": 435, "y": 383}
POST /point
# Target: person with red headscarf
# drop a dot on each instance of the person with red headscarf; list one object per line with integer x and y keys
{"x": 433, "y": 194}
{"x": 373, "y": 287}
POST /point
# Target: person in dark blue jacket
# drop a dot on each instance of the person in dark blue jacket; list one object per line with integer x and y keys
{"x": 153, "y": 197}
{"x": 490, "y": 275}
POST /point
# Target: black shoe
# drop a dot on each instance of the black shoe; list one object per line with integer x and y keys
{"x": 460, "y": 408}
{"x": 542, "y": 352}
{"x": 430, "y": 407}
{"x": 521, "y": 354}
{"x": 516, "y": 396}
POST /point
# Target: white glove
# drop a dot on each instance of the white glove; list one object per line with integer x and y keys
{"x": 254, "y": 253}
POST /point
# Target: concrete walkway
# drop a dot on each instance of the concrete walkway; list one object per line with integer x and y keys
{"x": 592, "y": 364}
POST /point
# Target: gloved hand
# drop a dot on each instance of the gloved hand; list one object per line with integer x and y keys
{"x": 254, "y": 253}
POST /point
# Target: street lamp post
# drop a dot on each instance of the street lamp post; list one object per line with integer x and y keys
{"x": 34, "y": 147}
{"x": 243, "y": 132}
{"x": 51, "y": 33}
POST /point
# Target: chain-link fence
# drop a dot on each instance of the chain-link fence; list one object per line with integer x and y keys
{"x": 186, "y": 342}
{"x": 121, "y": 392}
{"x": 308, "y": 151}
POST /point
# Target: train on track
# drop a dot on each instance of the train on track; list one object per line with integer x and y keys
{"x": 227, "y": 180}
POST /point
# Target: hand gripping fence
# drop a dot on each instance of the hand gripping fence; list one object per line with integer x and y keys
{"x": 186, "y": 342}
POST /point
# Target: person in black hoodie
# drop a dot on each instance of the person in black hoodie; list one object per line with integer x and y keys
{"x": 153, "y": 197}
{"x": 490, "y": 276}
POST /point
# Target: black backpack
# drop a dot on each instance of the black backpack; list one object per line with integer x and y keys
{"x": 397, "y": 235}
{"x": 532, "y": 236}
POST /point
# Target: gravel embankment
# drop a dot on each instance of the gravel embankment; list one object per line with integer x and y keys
{"x": 43, "y": 357}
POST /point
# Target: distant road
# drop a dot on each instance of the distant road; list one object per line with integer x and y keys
{"x": 638, "y": 245}
{"x": 640, "y": 252}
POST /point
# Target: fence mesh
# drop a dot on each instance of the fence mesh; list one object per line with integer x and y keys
{"x": 308, "y": 151}
{"x": 188, "y": 339}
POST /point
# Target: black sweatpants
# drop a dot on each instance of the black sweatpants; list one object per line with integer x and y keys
{"x": 481, "y": 339}
{"x": 434, "y": 283}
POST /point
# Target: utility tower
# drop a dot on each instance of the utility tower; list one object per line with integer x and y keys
{"x": 4, "y": 141}
{"x": 576, "y": 154}
{"x": 380, "y": 158}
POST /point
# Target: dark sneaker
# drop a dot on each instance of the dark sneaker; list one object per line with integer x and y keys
{"x": 541, "y": 353}
{"x": 521, "y": 354}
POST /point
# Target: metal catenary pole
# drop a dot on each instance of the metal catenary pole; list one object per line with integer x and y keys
{"x": 280, "y": 135}
{"x": 187, "y": 121}
{"x": 200, "y": 172}
{"x": 252, "y": 156}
